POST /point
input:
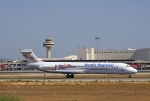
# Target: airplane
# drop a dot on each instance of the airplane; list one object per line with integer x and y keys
{"x": 71, "y": 68}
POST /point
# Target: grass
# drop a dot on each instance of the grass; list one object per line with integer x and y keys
{"x": 75, "y": 91}
{"x": 20, "y": 90}
{"x": 8, "y": 98}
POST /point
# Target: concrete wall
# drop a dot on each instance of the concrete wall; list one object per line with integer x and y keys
{"x": 143, "y": 54}
{"x": 85, "y": 53}
{"x": 81, "y": 54}
{"x": 115, "y": 54}
{"x": 91, "y": 54}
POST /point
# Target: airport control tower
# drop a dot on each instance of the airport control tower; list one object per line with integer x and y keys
{"x": 48, "y": 44}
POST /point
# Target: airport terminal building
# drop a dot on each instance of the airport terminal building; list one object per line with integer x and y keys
{"x": 112, "y": 54}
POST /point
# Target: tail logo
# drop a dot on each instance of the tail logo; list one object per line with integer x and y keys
{"x": 29, "y": 57}
{"x": 32, "y": 58}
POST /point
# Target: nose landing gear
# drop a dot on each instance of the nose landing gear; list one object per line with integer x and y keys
{"x": 69, "y": 76}
{"x": 129, "y": 75}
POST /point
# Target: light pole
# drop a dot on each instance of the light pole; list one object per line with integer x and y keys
{"x": 97, "y": 38}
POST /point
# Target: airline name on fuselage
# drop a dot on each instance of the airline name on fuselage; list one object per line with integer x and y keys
{"x": 97, "y": 65}
{"x": 87, "y": 65}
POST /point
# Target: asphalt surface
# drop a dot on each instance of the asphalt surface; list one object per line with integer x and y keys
{"x": 37, "y": 71}
{"x": 82, "y": 79}
{"x": 5, "y": 76}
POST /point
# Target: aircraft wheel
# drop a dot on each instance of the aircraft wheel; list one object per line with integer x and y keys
{"x": 72, "y": 76}
{"x": 129, "y": 75}
{"x": 67, "y": 76}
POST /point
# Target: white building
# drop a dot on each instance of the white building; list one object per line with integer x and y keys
{"x": 112, "y": 54}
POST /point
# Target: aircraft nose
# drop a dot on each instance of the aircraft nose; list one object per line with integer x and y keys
{"x": 134, "y": 70}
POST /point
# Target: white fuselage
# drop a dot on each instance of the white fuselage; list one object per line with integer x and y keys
{"x": 83, "y": 68}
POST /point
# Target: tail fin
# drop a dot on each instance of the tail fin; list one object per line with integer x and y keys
{"x": 29, "y": 55}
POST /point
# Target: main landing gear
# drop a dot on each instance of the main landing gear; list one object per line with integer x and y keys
{"x": 69, "y": 76}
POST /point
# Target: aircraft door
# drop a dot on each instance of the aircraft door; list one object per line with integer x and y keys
{"x": 55, "y": 67}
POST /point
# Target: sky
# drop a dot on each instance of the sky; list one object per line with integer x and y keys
{"x": 24, "y": 24}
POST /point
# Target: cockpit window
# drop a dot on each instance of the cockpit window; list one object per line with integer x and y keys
{"x": 128, "y": 66}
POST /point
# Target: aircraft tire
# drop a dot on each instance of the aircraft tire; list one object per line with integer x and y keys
{"x": 71, "y": 76}
{"x": 129, "y": 75}
{"x": 67, "y": 76}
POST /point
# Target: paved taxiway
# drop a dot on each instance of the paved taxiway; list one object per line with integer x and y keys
{"x": 83, "y": 79}
{"x": 7, "y": 74}
{"x": 37, "y": 71}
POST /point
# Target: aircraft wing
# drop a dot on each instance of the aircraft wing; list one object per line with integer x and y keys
{"x": 66, "y": 71}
